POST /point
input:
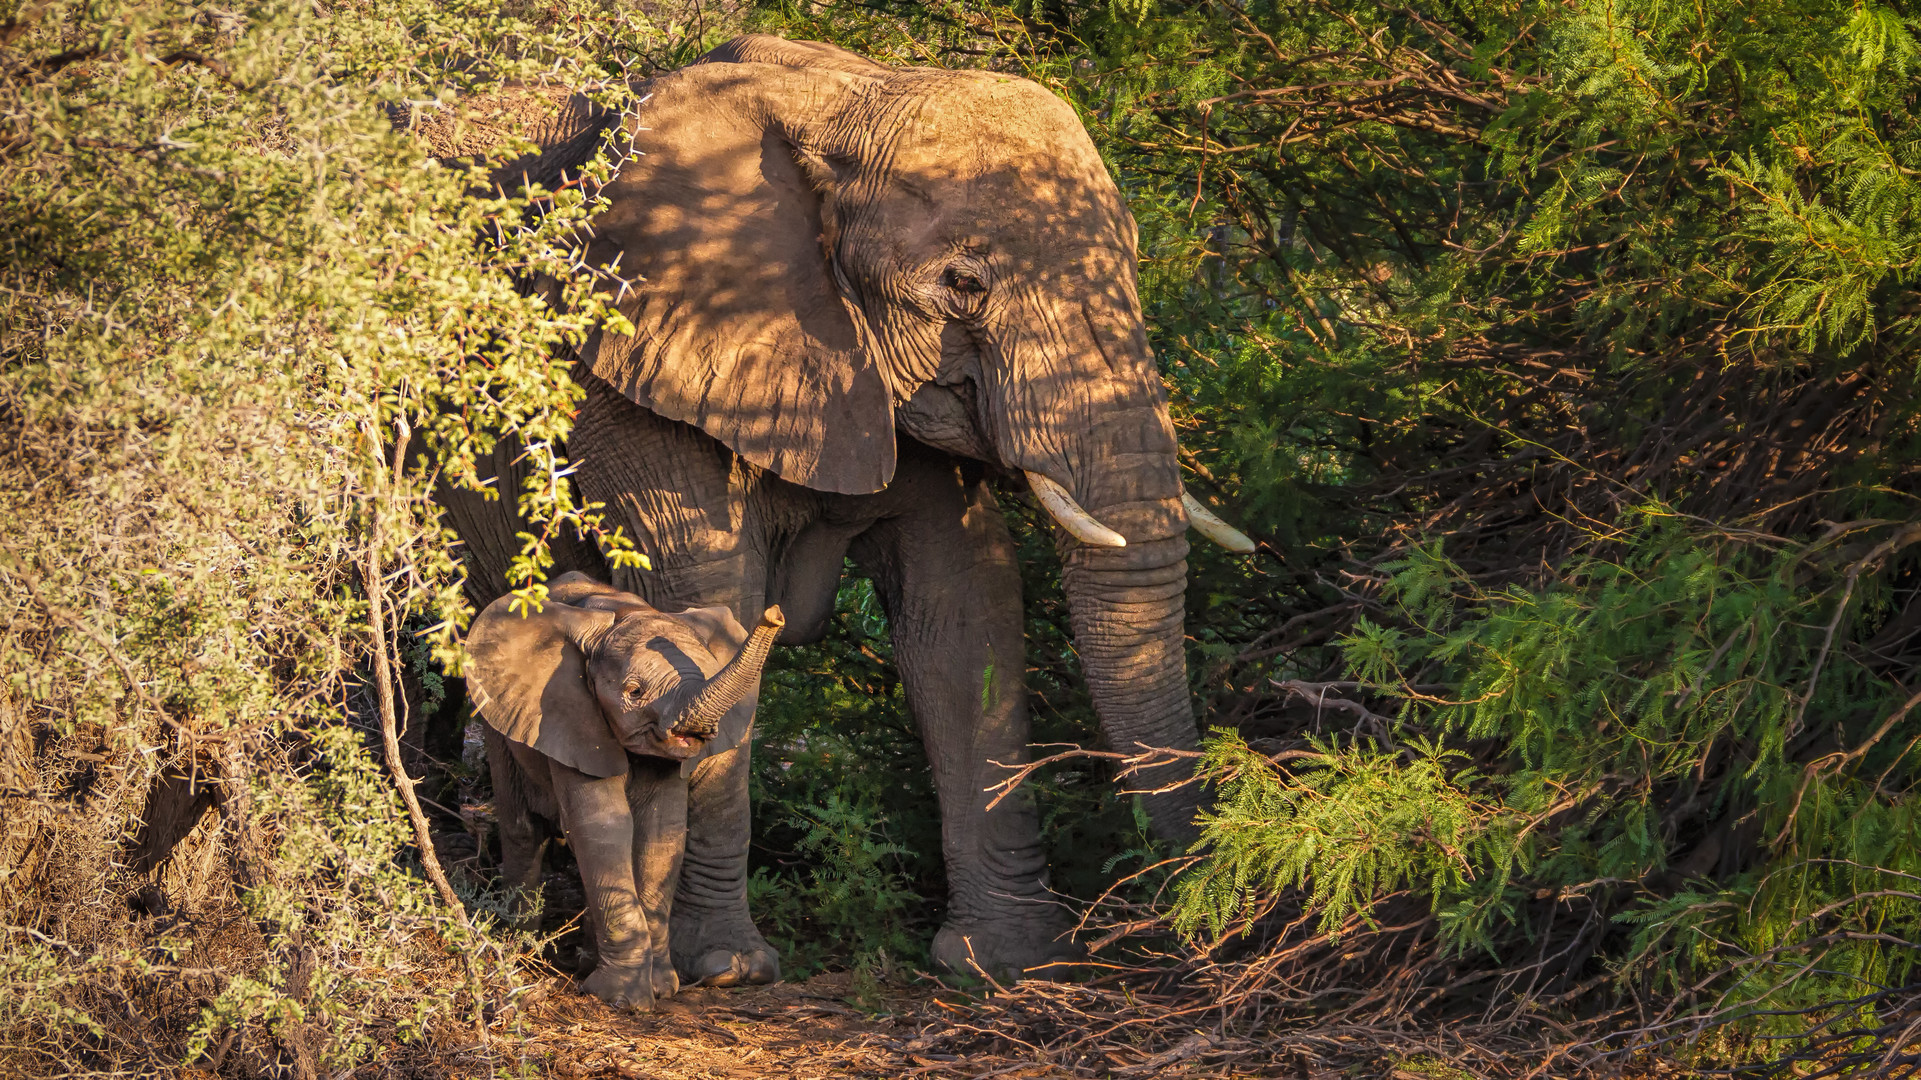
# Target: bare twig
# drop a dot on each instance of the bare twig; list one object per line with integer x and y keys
{"x": 373, "y": 582}
{"x": 1148, "y": 757}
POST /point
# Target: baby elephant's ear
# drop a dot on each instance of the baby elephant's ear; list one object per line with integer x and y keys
{"x": 718, "y": 629}
{"x": 527, "y": 675}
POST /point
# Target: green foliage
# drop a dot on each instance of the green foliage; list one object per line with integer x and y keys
{"x": 1683, "y": 675}
{"x": 1624, "y": 699}
{"x": 1349, "y": 827}
{"x": 850, "y": 903}
{"x": 1564, "y": 353}
{"x": 243, "y": 327}
{"x": 1684, "y": 231}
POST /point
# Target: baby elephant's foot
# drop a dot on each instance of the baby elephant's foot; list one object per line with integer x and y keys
{"x": 722, "y": 950}
{"x": 632, "y": 986}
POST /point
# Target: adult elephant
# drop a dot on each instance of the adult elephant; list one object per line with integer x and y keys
{"x": 863, "y": 289}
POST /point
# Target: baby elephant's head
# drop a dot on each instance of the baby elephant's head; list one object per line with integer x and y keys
{"x": 661, "y": 680}
{"x": 597, "y": 673}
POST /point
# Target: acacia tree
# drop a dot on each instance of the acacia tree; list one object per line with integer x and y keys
{"x": 245, "y": 327}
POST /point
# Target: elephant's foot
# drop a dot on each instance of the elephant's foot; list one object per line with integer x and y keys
{"x": 632, "y": 986}
{"x": 1007, "y": 950}
{"x": 722, "y": 949}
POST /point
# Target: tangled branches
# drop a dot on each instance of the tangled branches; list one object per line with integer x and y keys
{"x": 1560, "y": 357}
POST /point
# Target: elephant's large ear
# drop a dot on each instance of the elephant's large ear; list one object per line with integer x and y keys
{"x": 528, "y": 678}
{"x": 739, "y": 326}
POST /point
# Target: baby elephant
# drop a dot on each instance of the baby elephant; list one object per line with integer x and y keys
{"x": 594, "y": 704}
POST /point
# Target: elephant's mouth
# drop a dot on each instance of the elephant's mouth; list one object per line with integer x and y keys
{"x": 674, "y": 747}
{"x": 654, "y": 735}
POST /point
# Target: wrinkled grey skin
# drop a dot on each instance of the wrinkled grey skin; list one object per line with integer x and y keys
{"x": 866, "y": 291}
{"x": 592, "y": 704}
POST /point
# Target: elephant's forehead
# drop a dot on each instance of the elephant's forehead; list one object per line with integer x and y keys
{"x": 1010, "y": 107}
{"x": 660, "y": 643}
{"x": 1006, "y": 210}
{"x": 994, "y": 191}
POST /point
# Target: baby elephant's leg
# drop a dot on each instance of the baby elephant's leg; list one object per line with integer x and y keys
{"x": 658, "y": 797}
{"x": 516, "y": 812}
{"x": 600, "y": 830}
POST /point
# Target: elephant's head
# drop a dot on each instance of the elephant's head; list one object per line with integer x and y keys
{"x": 597, "y": 673}
{"x": 833, "y": 250}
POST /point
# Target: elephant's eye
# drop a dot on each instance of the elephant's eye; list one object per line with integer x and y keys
{"x": 633, "y": 693}
{"x": 962, "y": 280}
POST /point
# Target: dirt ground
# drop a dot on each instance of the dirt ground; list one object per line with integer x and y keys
{"x": 821, "y": 1028}
{"x": 794, "y": 1031}
{"x": 815, "y": 1030}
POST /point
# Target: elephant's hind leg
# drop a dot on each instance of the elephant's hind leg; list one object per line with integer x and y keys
{"x": 523, "y": 839}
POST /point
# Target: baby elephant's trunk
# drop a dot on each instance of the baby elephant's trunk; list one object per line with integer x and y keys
{"x": 701, "y": 718}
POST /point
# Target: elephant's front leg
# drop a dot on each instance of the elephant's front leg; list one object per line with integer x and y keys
{"x": 658, "y": 796}
{"x": 715, "y": 941}
{"x": 945, "y": 569}
{"x": 599, "y": 823}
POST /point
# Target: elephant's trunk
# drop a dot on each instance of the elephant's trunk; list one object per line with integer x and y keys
{"x": 700, "y": 719}
{"x": 1127, "y": 606}
{"x": 1128, "y": 603}
{"x": 1102, "y": 446}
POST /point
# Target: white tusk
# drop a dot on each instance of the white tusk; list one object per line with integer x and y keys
{"x": 1203, "y": 521}
{"x": 1079, "y": 523}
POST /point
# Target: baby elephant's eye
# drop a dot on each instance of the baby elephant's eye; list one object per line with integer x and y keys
{"x": 962, "y": 280}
